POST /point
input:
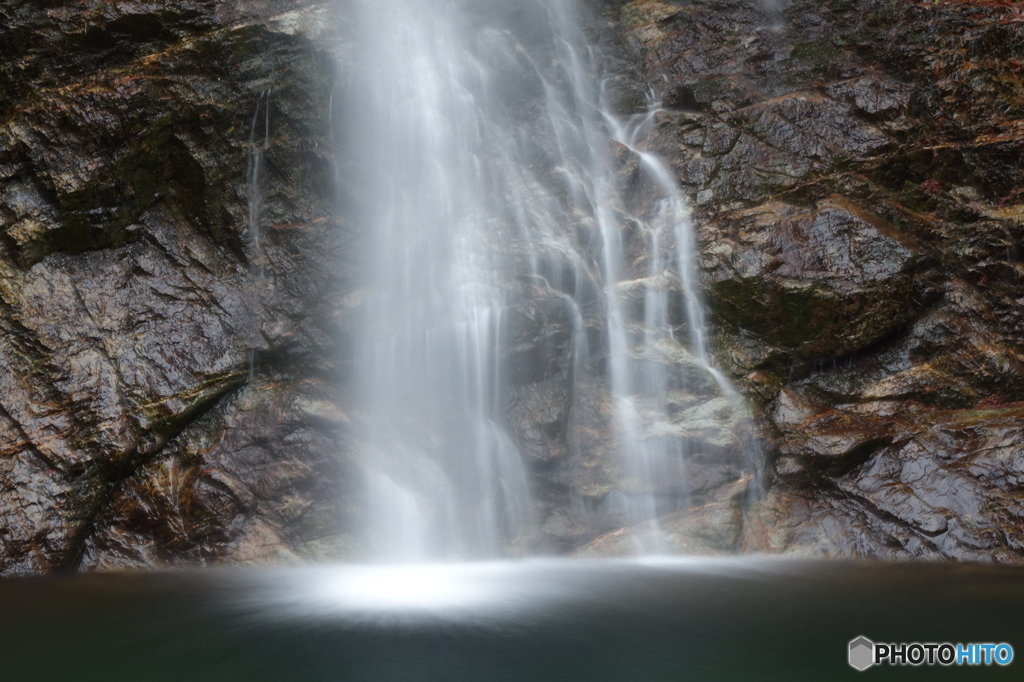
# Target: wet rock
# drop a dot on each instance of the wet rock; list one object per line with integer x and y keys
{"x": 712, "y": 528}
{"x": 128, "y": 303}
{"x": 822, "y": 282}
{"x": 852, "y": 172}
{"x": 539, "y": 335}
{"x": 874, "y": 94}
{"x": 946, "y": 488}
{"x": 634, "y": 296}
{"x": 811, "y": 127}
{"x": 855, "y": 171}
{"x": 952, "y": 357}
{"x": 538, "y": 414}
{"x": 683, "y": 371}
{"x": 257, "y": 480}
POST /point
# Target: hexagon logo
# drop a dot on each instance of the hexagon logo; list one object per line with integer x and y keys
{"x": 862, "y": 653}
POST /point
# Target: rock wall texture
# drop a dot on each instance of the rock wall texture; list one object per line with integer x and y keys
{"x": 172, "y": 370}
{"x": 131, "y": 432}
{"x": 857, "y": 176}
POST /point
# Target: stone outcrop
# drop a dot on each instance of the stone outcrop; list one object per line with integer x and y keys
{"x": 131, "y": 433}
{"x": 856, "y": 169}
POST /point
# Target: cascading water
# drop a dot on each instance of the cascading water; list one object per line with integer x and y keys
{"x": 445, "y": 480}
{"x": 633, "y": 373}
{"x": 257, "y": 153}
{"x": 486, "y": 152}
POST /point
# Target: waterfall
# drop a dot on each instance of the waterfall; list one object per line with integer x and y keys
{"x": 670, "y": 217}
{"x": 485, "y": 150}
{"x": 445, "y": 480}
{"x": 257, "y": 153}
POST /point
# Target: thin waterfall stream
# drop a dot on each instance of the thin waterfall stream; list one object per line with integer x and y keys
{"x": 257, "y": 160}
{"x": 493, "y": 165}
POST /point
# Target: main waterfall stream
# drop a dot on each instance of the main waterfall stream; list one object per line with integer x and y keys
{"x": 493, "y": 167}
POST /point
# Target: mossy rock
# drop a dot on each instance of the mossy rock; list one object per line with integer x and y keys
{"x": 821, "y": 282}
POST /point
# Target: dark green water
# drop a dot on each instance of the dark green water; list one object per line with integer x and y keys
{"x": 708, "y": 620}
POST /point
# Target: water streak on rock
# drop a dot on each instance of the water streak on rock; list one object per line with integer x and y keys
{"x": 257, "y": 159}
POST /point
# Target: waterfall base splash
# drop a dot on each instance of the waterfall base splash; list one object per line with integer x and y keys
{"x": 712, "y": 620}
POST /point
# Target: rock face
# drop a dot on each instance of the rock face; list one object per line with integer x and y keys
{"x": 822, "y": 281}
{"x": 175, "y": 315}
{"x": 131, "y": 432}
{"x": 856, "y": 171}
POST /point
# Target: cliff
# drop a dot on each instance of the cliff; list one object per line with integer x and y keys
{"x": 856, "y": 171}
{"x": 174, "y": 352}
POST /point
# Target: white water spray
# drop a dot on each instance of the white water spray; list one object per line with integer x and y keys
{"x": 486, "y": 148}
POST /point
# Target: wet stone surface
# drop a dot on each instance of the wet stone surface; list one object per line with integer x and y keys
{"x": 128, "y": 301}
{"x": 171, "y": 394}
{"x": 855, "y": 171}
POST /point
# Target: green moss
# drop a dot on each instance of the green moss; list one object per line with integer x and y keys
{"x": 842, "y": 164}
{"x": 711, "y": 89}
{"x": 814, "y": 51}
{"x": 916, "y": 199}
{"x": 790, "y": 317}
{"x": 883, "y": 13}
{"x": 644, "y": 12}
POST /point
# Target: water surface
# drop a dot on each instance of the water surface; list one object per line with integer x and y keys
{"x": 680, "y": 619}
